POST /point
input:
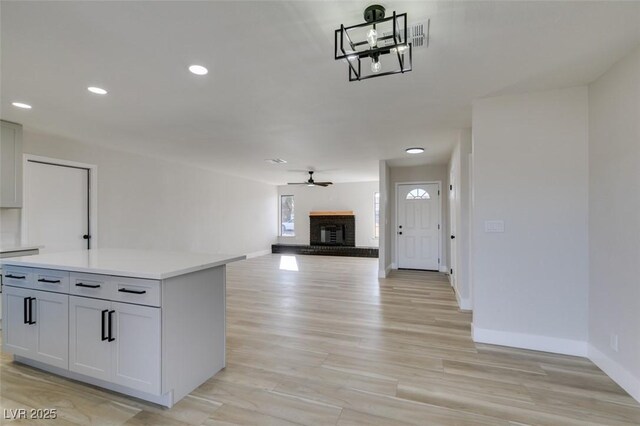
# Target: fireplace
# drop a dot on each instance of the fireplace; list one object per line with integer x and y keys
{"x": 335, "y": 228}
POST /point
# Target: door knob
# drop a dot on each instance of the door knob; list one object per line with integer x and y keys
{"x": 453, "y": 237}
{"x": 400, "y": 233}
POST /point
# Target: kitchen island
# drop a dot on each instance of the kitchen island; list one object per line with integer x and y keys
{"x": 148, "y": 324}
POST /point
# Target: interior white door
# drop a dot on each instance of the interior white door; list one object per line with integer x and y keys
{"x": 89, "y": 348}
{"x": 57, "y": 207}
{"x": 418, "y": 222}
{"x": 453, "y": 209}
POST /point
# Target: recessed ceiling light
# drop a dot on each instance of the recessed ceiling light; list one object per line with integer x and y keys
{"x": 21, "y": 105}
{"x": 97, "y": 90}
{"x": 198, "y": 70}
{"x": 415, "y": 150}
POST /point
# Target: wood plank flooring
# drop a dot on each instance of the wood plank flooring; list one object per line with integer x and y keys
{"x": 331, "y": 344}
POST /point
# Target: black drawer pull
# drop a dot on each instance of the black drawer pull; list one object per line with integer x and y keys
{"x": 31, "y": 321}
{"x": 87, "y": 285}
{"x": 102, "y": 334}
{"x": 26, "y": 309}
{"x": 111, "y": 338}
{"x": 16, "y": 277}
{"x": 44, "y": 280}
{"x": 124, "y": 290}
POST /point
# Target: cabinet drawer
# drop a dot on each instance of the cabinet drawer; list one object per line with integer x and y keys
{"x": 135, "y": 290}
{"x": 90, "y": 285}
{"x": 51, "y": 280}
{"x": 17, "y": 277}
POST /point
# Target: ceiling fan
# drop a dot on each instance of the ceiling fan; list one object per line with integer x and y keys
{"x": 311, "y": 182}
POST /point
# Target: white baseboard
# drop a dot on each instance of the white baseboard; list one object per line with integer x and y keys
{"x": 394, "y": 266}
{"x": 258, "y": 253}
{"x": 529, "y": 341}
{"x": 385, "y": 273}
{"x": 617, "y": 372}
{"x": 444, "y": 268}
{"x": 463, "y": 303}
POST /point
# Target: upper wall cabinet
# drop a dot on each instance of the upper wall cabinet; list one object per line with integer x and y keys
{"x": 10, "y": 165}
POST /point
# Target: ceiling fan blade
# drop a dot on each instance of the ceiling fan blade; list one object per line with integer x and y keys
{"x": 297, "y": 183}
{"x": 324, "y": 183}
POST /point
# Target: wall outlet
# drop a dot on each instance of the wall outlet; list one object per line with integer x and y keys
{"x": 614, "y": 342}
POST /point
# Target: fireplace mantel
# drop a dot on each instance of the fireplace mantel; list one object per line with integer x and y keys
{"x": 332, "y": 213}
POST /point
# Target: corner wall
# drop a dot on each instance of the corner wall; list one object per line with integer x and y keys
{"x": 146, "y": 203}
{"x": 614, "y": 222}
{"x": 530, "y": 282}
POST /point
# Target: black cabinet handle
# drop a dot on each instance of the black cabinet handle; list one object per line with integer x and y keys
{"x": 16, "y": 277}
{"x": 26, "y": 310}
{"x": 124, "y": 290}
{"x": 44, "y": 280}
{"x": 102, "y": 333}
{"x": 110, "y": 338}
{"x": 31, "y": 321}
{"x": 87, "y": 285}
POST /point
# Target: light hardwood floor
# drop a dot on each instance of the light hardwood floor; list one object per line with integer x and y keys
{"x": 332, "y": 344}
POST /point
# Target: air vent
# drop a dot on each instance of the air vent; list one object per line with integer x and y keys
{"x": 418, "y": 35}
{"x": 276, "y": 161}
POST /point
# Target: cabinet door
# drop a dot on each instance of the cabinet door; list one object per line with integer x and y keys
{"x": 10, "y": 164}
{"x": 136, "y": 349}
{"x": 18, "y": 337}
{"x": 89, "y": 348}
{"x": 51, "y": 317}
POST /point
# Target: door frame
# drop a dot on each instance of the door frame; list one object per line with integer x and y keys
{"x": 93, "y": 193}
{"x": 395, "y": 224}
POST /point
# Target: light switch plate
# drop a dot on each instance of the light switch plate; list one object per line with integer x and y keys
{"x": 494, "y": 226}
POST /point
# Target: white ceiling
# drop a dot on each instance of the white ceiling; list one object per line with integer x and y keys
{"x": 274, "y": 89}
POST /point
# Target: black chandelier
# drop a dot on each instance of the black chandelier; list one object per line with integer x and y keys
{"x": 378, "y": 37}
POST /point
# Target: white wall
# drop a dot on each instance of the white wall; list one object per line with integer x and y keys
{"x": 148, "y": 203}
{"x": 530, "y": 283}
{"x": 357, "y": 196}
{"x": 614, "y": 221}
{"x": 9, "y": 227}
{"x": 460, "y": 203}
{"x": 427, "y": 173}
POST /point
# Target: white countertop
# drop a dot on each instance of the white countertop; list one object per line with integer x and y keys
{"x": 149, "y": 264}
{"x": 18, "y": 247}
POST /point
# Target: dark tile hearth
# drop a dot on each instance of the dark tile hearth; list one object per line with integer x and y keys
{"x": 325, "y": 250}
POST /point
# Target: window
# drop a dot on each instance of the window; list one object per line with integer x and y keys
{"x": 287, "y": 228}
{"x": 418, "y": 194}
{"x": 376, "y": 214}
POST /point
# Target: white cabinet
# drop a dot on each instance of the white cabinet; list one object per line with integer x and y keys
{"x": 36, "y": 325}
{"x": 10, "y": 164}
{"x": 89, "y": 348}
{"x": 136, "y": 348}
{"x": 115, "y": 342}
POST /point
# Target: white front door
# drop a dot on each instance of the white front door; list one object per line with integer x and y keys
{"x": 418, "y": 222}
{"x": 57, "y": 206}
